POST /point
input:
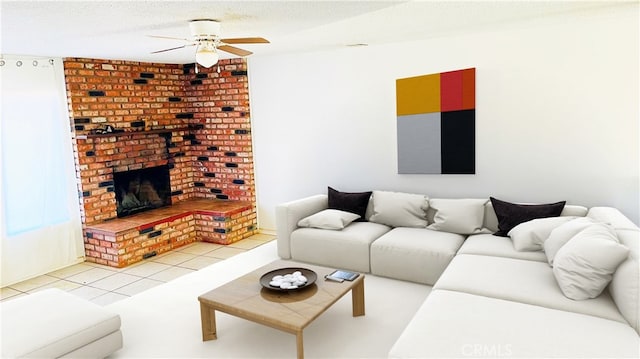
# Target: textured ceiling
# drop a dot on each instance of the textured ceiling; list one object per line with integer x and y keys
{"x": 120, "y": 29}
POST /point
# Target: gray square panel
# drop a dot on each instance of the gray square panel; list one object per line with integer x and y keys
{"x": 419, "y": 144}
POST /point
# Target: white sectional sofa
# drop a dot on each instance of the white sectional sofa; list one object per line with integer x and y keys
{"x": 488, "y": 299}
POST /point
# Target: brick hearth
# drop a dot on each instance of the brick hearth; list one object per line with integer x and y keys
{"x": 128, "y": 240}
{"x": 162, "y": 114}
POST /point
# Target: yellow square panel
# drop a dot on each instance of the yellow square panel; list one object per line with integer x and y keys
{"x": 415, "y": 95}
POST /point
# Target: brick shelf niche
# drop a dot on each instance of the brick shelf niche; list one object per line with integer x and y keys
{"x": 196, "y": 124}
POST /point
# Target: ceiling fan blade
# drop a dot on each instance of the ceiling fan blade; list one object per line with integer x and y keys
{"x": 168, "y": 37}
{"x": 173, "y": 48}
{"x": 234, "y": 50}
{"x": 246, "y": 40}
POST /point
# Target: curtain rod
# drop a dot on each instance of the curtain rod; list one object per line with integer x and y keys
{"x": 19, "y": 62}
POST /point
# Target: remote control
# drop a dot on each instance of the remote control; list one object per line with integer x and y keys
{"x": 333, "y": 279}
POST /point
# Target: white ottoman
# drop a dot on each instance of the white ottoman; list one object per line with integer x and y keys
{"x": 53, "y": 323}
{"x": 414, "y": 254}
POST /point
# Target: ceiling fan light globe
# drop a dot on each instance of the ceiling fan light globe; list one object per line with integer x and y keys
{"x": 207, "y": 58}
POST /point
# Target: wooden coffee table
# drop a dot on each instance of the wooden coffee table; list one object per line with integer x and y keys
{"x": 290, "y": 311}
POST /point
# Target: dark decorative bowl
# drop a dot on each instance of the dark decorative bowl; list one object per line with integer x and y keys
{"x": 267, "y": 277}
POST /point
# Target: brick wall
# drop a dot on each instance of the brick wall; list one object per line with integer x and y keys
{"x": 223, "y": 165}
{"x": 197, "y": 124}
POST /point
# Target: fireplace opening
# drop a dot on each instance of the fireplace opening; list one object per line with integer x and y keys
{"x": 141, "y": 190}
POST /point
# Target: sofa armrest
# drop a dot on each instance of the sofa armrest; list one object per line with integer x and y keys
{"x": 288, "y": 214}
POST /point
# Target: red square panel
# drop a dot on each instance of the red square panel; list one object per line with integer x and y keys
{"x": 451, "y": 91}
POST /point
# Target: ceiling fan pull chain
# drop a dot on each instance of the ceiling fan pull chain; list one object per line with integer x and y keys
{"x": 196, "y": 67}
{"x": 218, "y": 67}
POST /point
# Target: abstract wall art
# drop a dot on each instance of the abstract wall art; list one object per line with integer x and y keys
{"x": 436, "y": 123}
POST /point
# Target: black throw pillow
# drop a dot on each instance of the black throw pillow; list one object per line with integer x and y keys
{"x": 349, "y": 202}
{"x": 512, "y": 214}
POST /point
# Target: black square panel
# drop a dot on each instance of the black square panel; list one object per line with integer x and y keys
{"x": 458, "y": 134}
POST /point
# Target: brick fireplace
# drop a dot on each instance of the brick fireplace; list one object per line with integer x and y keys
{"x": 141, "y": 190}
{"x": 131, "y": 116}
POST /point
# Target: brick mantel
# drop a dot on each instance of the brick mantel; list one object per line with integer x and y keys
{"x": 197, "y": 124}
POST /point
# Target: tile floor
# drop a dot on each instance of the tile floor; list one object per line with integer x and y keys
{"x": 104, "y": 285}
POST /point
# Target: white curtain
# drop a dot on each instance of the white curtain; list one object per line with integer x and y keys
{"x": 41, "y": 226}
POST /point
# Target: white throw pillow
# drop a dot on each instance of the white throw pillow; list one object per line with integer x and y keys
{"x": 585, "y": 265}
{"x": 531, "y": 235}
{"x": 562, "y": 234}
{"x": 329, "y": 219}
{"x": 398, "y": 209}
{"x": 462, "y": 216}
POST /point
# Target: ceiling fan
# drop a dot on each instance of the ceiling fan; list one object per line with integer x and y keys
{"x": 205, "y": 36}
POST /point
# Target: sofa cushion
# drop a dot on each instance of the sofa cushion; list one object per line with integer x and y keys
{"x": 625, "y": 285}
{"x": 414, "y": 254}
{"x": 460, "y": 325}
{"x": 511, "y": 214}
{"x": 531, "y": 235}
{"x": 462, "y": 216}
{"x": 490, "y": 245}
{"x": 354, "y": 202}
{"x": 585, "y": 265}
{"x": 346, "y": 249}
{"x": 397, "y": 209}
{"x": 491, "y": 220}
{"x": 329, "y": 219}
{"x": 611, "y": 216}
{"x": 562, "y": 234}
{"x": 521, "y": 281}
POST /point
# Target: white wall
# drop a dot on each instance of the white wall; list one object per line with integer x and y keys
{"x": 557, "y": 112}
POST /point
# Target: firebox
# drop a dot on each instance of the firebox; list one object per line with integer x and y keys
{"x": 141, "y": 190}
